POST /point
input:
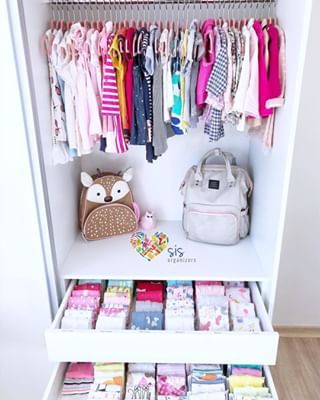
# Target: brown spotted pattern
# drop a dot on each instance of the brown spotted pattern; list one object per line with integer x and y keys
{"x": 109, "y": 220}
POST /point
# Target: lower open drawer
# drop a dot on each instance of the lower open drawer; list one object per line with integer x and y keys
{"x": 56, "y": 381}
{"x": 165, "y": 346}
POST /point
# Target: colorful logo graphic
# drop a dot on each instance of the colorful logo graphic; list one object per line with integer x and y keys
{"x": 149, "y": 248}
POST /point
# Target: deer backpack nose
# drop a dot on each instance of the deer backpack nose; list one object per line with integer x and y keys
{"x": 107, "y": 199}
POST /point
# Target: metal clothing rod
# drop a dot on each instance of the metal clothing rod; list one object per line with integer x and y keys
{"x": 161, "y": 2}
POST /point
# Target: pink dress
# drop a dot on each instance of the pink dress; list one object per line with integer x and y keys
{"x": 264, "y": 90}
{"x": 206, "y": 63}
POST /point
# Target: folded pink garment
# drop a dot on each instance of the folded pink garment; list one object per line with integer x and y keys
{"x": 211, "y": 290}
{"x": 79, "y": 370}
{"x": 208, "y": 283}
{"x": 83, "y": 302}
{"x": 88, "y": 286}
{"x": 153, "y": 295}
{"x": 171, "y": 369}
{"x": 246, "y": 371}
{"x": 119, "y": 299}
{"x": 171, "y": 385}
{"x": 85, "y": 293}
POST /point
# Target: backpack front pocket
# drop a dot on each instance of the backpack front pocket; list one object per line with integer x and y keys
{"x": 214, "y": 226}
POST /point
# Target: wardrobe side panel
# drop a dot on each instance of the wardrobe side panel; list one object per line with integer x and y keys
{"x": 271, "y": 169}
{"x": 62, "y": 181}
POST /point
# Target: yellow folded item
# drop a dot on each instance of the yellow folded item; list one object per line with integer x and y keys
{"x": 244, "y": 381}
{"x": 109, "y": 367}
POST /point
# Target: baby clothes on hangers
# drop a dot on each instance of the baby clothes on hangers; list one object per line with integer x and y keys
{"x": 206, "y": 63}
{"x": 216, "y": 88}
{"x": 112, "y": 125}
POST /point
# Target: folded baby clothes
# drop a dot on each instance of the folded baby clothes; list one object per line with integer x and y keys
{"x": 242, "y": 309}
{"x": 171, "y": 380}
{"x": 240, "y": 381}
{"x": 109, "y": 381}
{"x": 146, "y": 321}
{"x": 148, "y": 311}
{"x": 141, "y": 382}
{"x": 247, "y": 383}
{"x": 212, "y": 307}
{"x": 251, "y": 393}
{"x": 83, "y": 306}
{"x": 179, "y": 313}
{"x": 148, "y": 306}
{"x": 246, "y": 324}
{"x": 207, "y": 379}
{"x": 149, "y": 291}
{"x": 116, "y": 305}
{"x": 78, "y": 381}
{"x": 238, "y": 294}
{"x": 228, "y": 284}
{"x": 251, "y": 370}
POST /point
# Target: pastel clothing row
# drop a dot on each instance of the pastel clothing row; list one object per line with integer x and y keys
{"x": 171, "y": 380}
{"x": 82, "y": 307}
{"x": 141, "y": 382}
{"x": 247, "y": 382}
{"x": 212, "y": 307}
{"x": 207, "y": 382}
{"x": 109, "y": 380}
{"x": 179, "y": 312}
{"x": 114, "y": 311}
{"x": 148, "y": 313}
{"x": 78, "y": 381}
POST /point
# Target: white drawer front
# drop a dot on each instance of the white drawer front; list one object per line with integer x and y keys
{"x": 165, "y": 346}
{"x": 56, "y": 381}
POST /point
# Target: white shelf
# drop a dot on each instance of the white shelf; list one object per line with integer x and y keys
{"x": 180, "y": 346}
{"x": 115, "y": 258}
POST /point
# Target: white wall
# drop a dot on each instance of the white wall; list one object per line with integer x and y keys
{"x": 24, "y": 302}
{"x": 298, "y": 294}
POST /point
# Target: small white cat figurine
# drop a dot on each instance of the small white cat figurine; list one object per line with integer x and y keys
{"x": 148, "y": 221}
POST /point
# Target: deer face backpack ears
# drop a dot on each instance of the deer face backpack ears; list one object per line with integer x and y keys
{"x": 216, "y": 201}
{"x": 106, "y": 205}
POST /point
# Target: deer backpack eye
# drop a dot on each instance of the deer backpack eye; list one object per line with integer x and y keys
{"x": 119, "y": 191}
{"x": 98, "y": 194}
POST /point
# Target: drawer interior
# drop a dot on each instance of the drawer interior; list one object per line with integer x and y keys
{"x": 224, "y": 347}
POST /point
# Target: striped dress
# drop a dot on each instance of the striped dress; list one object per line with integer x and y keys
{"x": 110, "y": 106}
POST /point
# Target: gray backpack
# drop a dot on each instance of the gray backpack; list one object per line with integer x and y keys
{"x": 215, "y": 208}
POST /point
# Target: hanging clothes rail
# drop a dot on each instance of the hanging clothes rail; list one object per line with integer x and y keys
{"x": 137, "y": 76}
{"x": 161, "y": 2}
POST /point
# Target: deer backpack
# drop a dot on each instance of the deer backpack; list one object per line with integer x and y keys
{"x": 106, "y": 205}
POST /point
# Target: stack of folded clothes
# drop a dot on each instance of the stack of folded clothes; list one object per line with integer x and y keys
{"x": 246, "y": 382}
{"x": 179, "y": 314}
{"x": 141, "y": 382}
{"x": 109, "y": 379}
{"x": 116, "y": 305}
{"x": 171, "y": 381}
{"x": 148, "y": 314}
{"x": 242, "y": 310}
{"x": 212, "y": 306}
{"x": 207, "y": 382}
{"x": 78, "y": 381}
{"x": 83, "y": 306}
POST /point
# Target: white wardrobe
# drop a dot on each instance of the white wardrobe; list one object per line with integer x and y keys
{"x": 68, "y": 257}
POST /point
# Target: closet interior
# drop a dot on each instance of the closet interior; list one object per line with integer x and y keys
{"x": 254, "y": 260}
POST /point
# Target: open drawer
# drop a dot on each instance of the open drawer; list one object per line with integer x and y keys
{"x": 164, "y": 346}
{"x": 56, "y": 382}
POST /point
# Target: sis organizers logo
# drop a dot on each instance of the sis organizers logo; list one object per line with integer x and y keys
{"x": 177, "y": 254}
